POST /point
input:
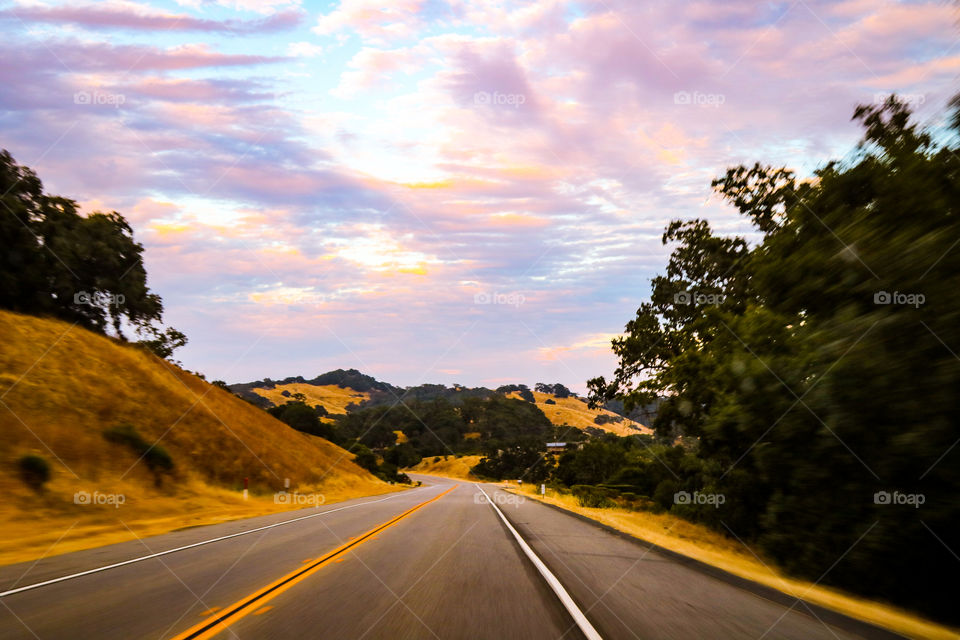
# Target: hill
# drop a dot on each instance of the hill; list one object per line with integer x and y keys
{"x": 457, "y": 467}
{"x": 332, "y": 398}
{"x": 574, "y": 412}
{"x": 349, "y": 379}
{"x": 335, "y": 390}
{"x": 88, "y": 407}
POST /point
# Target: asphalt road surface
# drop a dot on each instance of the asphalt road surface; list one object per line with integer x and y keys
{"x": 433, "y": 562}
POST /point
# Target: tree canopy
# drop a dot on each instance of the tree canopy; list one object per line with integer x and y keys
{"x": 83, "y": 269}
{"x": 816, "y": 366}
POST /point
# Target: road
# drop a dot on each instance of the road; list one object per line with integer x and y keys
{"x": 433, "y": 562}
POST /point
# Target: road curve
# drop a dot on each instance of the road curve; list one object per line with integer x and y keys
{"x": 432, "y": 562}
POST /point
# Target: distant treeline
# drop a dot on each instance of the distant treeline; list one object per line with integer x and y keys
{"x": 383, "y": 393}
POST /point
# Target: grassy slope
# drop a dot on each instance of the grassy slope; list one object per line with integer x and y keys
{"x": 575, "y": 413}
{"x": 60, "y": 386}
{"x": 566, "y": 411}
{"x": 706, "y": 545}
{"x": 331, "y": 397}
{"x": 448, "y": 466}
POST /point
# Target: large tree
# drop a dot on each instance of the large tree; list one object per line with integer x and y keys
{"x": 84, "y": 269}
{"x": 817, "y": 366}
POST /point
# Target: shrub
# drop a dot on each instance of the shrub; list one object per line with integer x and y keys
{"x": 34, "y": 471}
{"x": 593, "y": 497}
{"x": 157, "y": 458}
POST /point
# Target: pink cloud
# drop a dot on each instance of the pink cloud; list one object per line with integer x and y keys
{"x": 139, "y": 17}
{"x": 372, "y": 19}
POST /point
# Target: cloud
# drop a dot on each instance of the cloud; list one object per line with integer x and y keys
{"x": 304, "y": 50}
{"x": 71, "y": 56}
{"x": 347, "y": 213}
{"x": 132, "y": 16}
{"x": 373, "y": 20}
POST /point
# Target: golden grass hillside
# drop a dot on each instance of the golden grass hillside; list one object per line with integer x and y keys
{"x": 448, "y": 467}
{"x": 574, "y": 413}
{"x": 62, "y": 386}
{"x": 331, "y": 397}
{"x": 701, "y": 543}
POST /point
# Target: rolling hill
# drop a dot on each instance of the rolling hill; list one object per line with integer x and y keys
{"x": 332, "y": 398}
{"x": 88, "y": 407}
{"x": 574, "y": 412}
{"x": 333, "y": 391}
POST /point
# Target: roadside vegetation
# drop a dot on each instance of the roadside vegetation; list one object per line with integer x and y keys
{"x": 805, "y": 374}
{"x": 721, "y": 550}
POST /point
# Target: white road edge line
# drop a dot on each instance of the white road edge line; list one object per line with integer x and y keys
{"x": 189, "y": 546}
{"x": 578, "y": 616}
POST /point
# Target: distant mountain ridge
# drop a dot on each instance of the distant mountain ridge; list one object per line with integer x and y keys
{"x": 562, "y": 405}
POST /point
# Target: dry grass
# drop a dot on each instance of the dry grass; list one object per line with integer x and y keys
{"x": 572, "y": 412}
{"x": 448, "y": 467}
{"x": 331, "y": 397}
{"x": 61, "y": 386}
{"x": 706, "y": 545}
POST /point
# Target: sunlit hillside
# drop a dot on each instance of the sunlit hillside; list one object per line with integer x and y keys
{"x": 569, "y": 411}
{"x": 448, "y": 466}
{"x": 331, "y": 397}
{"x": 62, "y": 387}
{"x": 573, "y": 412}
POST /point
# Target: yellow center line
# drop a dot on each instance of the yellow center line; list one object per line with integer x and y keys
{"x": 217, "y": 623}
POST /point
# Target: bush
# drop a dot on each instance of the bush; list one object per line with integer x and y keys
{"x": 593, "y": 497}
{"x": 157, "y": 458}
{"x": 365, "y": 458}
{"x": 300, "y": 416}
{"x": 34, "y": 471}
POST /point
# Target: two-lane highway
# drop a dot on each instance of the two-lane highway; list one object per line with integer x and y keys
{"x": 433, "y": 562}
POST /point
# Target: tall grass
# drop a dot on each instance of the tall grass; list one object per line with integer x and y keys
{"x": 63, "y": 386}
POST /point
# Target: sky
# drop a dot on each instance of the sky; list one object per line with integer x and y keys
{"x": 437, "y": 191}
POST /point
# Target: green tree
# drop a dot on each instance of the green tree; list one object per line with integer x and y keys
{"x": 84, "y": 269}
{"x": 815, "y": 370}
{"x": 303, "y": 418}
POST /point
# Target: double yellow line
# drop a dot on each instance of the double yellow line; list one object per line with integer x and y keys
{"x": 220, "y": 621}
